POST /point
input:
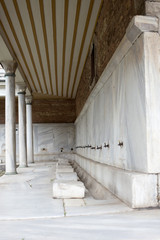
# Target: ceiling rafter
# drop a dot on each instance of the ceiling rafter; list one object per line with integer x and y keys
{"x": 55, "y": 41}
{"x": 26, "y": 40}
{"x": 73, "y": 42}
{"x": 82, "y": 43}
{"x": 16, "y": 39}
{"x": 14, "y": 54}
{"x": 50, "y": 39}
{"x": 36, "y": 41}
{"x": 45, "y": 41}
{"x": 64, "y": 40}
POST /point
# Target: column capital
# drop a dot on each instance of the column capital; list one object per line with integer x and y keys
{"x": 9, "y": 67}
{"x": 21, "y": 87}
{"x": 29, "y": 99}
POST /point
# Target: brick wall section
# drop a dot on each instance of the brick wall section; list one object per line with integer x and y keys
{"x": 47, "y": 111}
{"x": 53, "y": 111}
{"x": 113, "y": 20}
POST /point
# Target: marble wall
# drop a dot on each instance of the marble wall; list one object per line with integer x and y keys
{"x": 48, "y": 140}
{"x": 125, "y": 110}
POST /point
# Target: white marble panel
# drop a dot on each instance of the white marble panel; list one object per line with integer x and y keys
{"x": 152, "y": 91}
{"x": 50, "y": 138}
{"x": 130, "y": 102}
{"x": 118, "y": 113}
{"x": 108, "y": 119}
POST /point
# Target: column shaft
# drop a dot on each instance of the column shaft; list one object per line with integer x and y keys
{"x": 22, "y": 130}
{"x": 30, "y": 158}
{"x": 10, "y": 126}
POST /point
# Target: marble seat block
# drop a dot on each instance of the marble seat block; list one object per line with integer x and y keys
{"x": 64, "y": 166}
{"x": 69, "y": 189}
{"x": 67, "y": 176}
{"x": 63, "y": 161}
{"x": 137, "y": 190}
{"x": 64, "y": 170}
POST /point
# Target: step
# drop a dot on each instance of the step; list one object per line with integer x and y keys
{"x": 64, "y": 169}
{"x": 68, "y": 176}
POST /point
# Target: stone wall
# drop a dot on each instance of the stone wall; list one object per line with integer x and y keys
{"x": 47, "y": 111}
{"x": 117, "y": 132}
{"x": 113, "y": 20}
{"x": 52, "y": 139}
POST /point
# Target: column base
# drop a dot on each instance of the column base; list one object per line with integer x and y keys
{"x": 22, "y": 166}
{"x": 10, "y": 173}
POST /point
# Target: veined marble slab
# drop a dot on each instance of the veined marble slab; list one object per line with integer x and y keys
{"x": 128, "y": 113}
{"x": 125, "y": 115}
{"x": 53, "y": 138}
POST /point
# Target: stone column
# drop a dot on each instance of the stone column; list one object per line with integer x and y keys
{"x": 21, "y": 91}
{"x": 30, "y": 158}
{"x": 10, "y": 129}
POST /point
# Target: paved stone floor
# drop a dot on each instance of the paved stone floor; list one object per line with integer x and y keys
{"x": 28, "y": 211}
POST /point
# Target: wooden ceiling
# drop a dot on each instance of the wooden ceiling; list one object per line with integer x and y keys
{"x": 50, "y": 40}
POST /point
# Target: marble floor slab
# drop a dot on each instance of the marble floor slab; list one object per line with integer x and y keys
{"x": 28, "y": 212}
{"x": 135, "y": 225}
{"x": 74, "y": 203}
{"x": 96, "y": 209}
{"x": 28, "y": 195}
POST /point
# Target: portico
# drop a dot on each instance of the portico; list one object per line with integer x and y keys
{"x": 81, "y": 86}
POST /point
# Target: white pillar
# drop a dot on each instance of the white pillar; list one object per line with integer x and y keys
{"x": 21, "y": 91}
{"x": 10, "y": 129}
{"x": 30, "y": 158}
